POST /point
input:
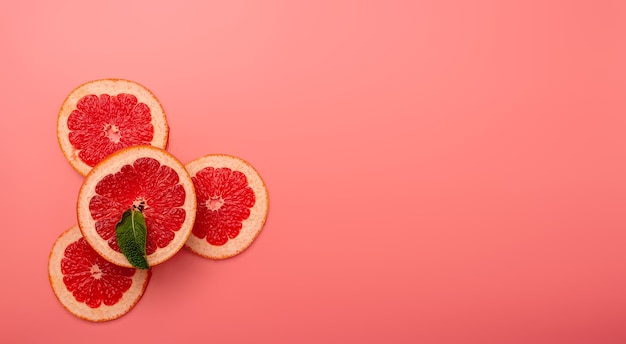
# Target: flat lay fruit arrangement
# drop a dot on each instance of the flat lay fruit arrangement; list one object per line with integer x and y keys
{"x": 139, "y": 205}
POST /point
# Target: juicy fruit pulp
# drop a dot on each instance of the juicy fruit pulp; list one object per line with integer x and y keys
{"x": 145, "y": 184}
{"x": 224, "y": 201}
{"x": 101, "y": 125}
{"x": 90, "y": 278}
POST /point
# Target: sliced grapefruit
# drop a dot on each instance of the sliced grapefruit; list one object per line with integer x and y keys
{"x": 140, "y": 177}
{"x": 87, "y": 285}
{"x": 232, "y": 206}
{"x": 103, "y": 116}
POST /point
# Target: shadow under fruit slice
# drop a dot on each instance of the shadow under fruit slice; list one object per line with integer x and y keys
{"x": 232, "y": 206}
{"x": 145, "y": 179}
{"x": 87, "y": 285}
{"x": 103, "y": 116}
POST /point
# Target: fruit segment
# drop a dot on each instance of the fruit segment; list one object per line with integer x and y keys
{"x": 87, "y": 285}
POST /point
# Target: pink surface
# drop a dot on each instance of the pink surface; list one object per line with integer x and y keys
{"x": 439, "y": 171}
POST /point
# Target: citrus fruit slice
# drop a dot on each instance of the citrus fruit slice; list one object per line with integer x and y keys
{"x": 104, "y": 116}
{"x": 232, "y": 206}
{"x": 145, "y": 178}
{"x": 89, "y": 286}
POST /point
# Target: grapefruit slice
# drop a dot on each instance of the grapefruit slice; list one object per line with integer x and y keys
{"x": 103, "y": 116}
{"x": 88, "y": 286}
{"x": 140, "y": 177}
{"x": 232, "y": 206}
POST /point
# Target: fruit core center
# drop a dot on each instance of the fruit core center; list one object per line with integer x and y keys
{"x": 214, "y": 203}
{"x": 96, "y": 272}
{"x": 112, "y": 132}
{"x": 139, "y": 204}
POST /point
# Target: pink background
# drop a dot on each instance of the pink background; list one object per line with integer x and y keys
{"x": 439, "y": 171}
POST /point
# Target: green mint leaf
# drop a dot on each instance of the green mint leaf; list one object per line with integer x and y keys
{"x": 131, "y": 238}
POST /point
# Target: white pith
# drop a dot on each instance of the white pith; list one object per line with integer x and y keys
{"x": 112, "y": 132}
{"x": 110, "y": 87}
{"x": 251, "y": 227}
{"x": 113, "y": 164}
{"x": 96, "y": 272}
{"x": 214, "y": 203}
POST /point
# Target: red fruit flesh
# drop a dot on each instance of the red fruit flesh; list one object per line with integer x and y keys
{"x": 224, "y": 201}
{"x": 101, "y": 125}
{"x": 145, "y": 181}
{"x": 90, "y": 278}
